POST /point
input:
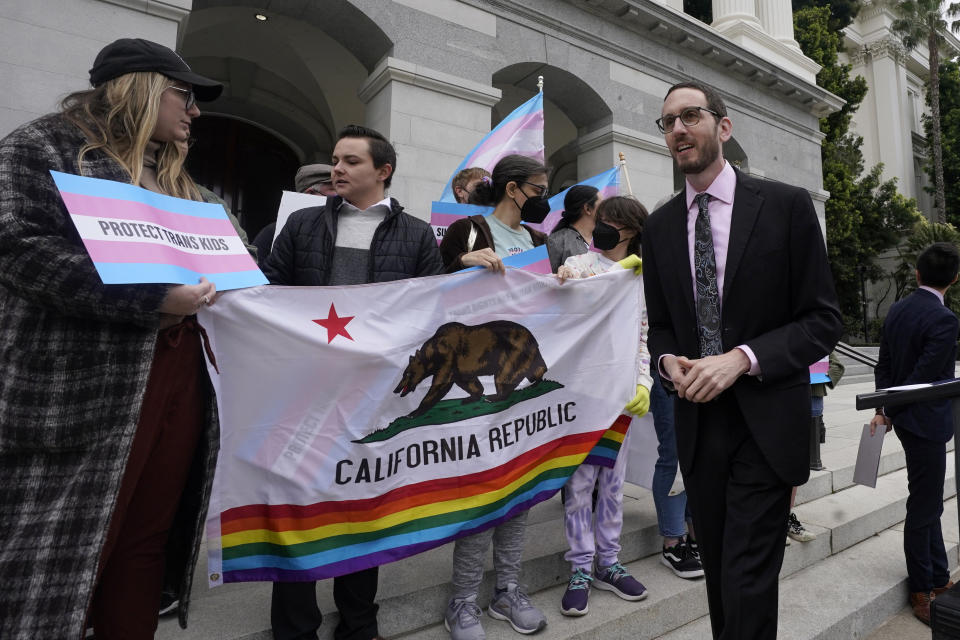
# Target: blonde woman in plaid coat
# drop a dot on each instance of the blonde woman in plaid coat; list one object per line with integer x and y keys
{"x": 108, "y": 427}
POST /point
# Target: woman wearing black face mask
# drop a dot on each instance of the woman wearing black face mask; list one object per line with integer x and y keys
{"x": 574, "y": 233}
{"x": 517, "y": 191}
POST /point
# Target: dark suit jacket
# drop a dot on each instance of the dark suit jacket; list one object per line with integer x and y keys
{"x": 919, "y": 344}
{"x": 778, "y": 298}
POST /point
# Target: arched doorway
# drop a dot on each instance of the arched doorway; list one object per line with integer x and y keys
{"x": 290, "y": 83}
{"x": 243, "y": 164}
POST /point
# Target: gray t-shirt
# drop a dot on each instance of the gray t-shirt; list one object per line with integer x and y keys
{"x": 355, "y": 229}
{"x": 562, "y": 244}
{"x": 508, "y": 241}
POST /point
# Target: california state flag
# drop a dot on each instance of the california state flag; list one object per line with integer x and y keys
{"x": 364, "y": 424}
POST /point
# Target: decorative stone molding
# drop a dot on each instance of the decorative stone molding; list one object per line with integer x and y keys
{"x": 674, "y": 30}
{"x": 393, "y": 69}
{"x": 888, "y": 47}
{"x": 174, "y": 10}
{"x": 616, "y": 134}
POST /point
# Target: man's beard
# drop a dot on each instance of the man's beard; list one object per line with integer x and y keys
{"x": 707, "y": 155}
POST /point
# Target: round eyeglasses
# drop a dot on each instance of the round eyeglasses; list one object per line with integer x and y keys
{"x": 689, "y": 117}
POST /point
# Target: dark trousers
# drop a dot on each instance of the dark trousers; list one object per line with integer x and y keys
{"x": 127, "y": 597}
{"x": 922, "y": 540}
{"x": 294, "y": 614}
{"x": 740, "y": 509}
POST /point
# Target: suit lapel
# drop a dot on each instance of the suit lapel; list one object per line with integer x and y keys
{"x": 680, "y": 250}
{"x": 746, "y": 207}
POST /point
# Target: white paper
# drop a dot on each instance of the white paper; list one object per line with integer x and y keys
{"x": 642, "y": 449}
{"x": 907, "y": 387}
{"x": 868, "y": 456}
{"x": 294, "y": 201}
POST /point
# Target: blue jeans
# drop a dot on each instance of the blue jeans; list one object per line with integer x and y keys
{"x": 816, "y": 406}
{"x": 671, "y": 510}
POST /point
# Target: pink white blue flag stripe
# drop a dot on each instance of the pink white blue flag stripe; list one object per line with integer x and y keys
{"x": 137, "y": 236}
{"x": 535, "y": 260}
{"x": 819, "y": 370}
{"x": 607, "y": 182}
{"x": 521, "y": 133}
{"x": 444, "y": 214}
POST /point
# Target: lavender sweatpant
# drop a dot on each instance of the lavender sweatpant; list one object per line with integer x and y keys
{"x": 597, "y": 533}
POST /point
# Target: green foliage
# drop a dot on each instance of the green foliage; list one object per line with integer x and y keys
{"x": 702, "y": 10}
{"x": 865, "y": 216}
{"x": 921, "y": 22}
{"x": 922, "y": 235}
{"x": 842, "y": 12}
{"x": 950, "y": 138}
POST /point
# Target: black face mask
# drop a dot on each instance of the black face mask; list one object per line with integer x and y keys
{"x": 605, "y": 236}
{"x": 534, "y": 210}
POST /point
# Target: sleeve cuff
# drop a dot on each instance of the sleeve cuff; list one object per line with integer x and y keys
{"x": 754, "y": 365}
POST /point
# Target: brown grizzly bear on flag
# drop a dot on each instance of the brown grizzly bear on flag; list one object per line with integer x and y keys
{"x": 458, "y": 354}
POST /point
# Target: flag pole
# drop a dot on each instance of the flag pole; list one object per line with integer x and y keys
{"x": 625, "y": 173}
{"x": 540, "y": 84}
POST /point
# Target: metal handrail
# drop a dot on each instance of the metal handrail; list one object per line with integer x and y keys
{"x": 937, "y": 391}
{"x": 846, "y": 350}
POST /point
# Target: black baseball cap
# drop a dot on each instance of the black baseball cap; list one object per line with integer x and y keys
{"x": 127, "y": 55}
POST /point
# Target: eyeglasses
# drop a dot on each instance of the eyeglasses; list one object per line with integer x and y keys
{"x": 689, "y": 117}
{"x": 539, "y": 187}
{"x": 189, "y": 100}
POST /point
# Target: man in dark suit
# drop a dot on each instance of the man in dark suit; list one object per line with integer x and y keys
{"x": 740, "y": 303}
{"x": 919, "y": 344}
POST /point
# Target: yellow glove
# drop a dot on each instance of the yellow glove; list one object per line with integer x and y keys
{"x": 634, "y": 262}
{"x": 640, "y": 403}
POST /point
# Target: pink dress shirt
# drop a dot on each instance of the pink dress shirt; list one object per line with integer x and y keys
{"x": 721, "y": 192}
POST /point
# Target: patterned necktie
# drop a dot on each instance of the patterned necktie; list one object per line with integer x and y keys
{"x": 708, "y": 294}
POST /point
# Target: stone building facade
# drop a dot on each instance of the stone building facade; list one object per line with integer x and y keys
{"x": 889, "y": 119}
{"x": 435, "y": 76}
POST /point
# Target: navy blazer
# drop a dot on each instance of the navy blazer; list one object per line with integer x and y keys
{"x": 919, "y": 344}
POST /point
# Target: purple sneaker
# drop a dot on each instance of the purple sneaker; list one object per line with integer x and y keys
{"x": 616, "y": 578}
{"x": 574, "y": 601}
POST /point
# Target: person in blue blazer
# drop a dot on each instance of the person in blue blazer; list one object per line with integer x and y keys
{"x": 919, "y": 344}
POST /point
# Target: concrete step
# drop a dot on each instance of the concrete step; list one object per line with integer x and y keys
{"x": 414, "y": 592}
{"x": 841, "y": 521}
{"x": 849, "y": 594}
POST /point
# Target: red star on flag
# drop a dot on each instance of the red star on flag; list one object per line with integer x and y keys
{"x": 335, "y": 325}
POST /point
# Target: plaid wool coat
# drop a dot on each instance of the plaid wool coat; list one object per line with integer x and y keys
{"x": 75, "y": 357}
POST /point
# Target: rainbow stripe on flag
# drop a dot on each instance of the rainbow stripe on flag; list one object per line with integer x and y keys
{"x": 604, "y": 454}
{"x": 521, "y": 133}
{"x": 327, "y": 539}
{"x": 134, "y": 235}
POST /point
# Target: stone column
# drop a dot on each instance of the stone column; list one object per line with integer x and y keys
{"x": 776, "y": 18}
{"x": 649, "y": 164}
{"x": 433, "y": 120}
{"x": 893, "y": 139}
{"x": 727, "y": 12}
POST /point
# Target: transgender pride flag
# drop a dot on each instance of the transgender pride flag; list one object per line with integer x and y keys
{"x": 137, "y": 236}
{"x": 819, "y": 369}
{"x": 607, "y": 182}
{"x": 521, "y": 133}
